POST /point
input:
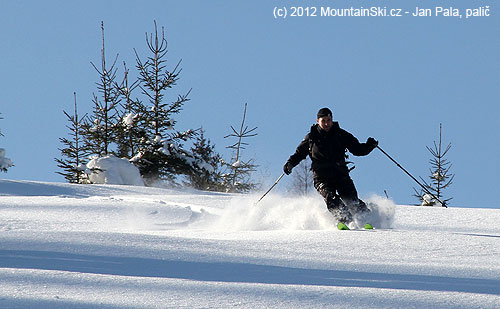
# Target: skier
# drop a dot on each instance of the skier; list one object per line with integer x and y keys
{"x": 326, "y": 145}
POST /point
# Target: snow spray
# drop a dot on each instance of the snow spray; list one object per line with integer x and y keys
{"x": 296, "y": 213}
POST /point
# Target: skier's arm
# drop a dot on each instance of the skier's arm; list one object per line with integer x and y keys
{"x": 357, "y": 148}
{"x": 300, "y": 154}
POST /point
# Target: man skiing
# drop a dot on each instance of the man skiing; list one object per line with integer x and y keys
{"x": 326, "y": 145}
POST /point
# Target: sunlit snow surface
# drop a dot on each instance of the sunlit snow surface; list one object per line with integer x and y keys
{"x": 76, "y": 246}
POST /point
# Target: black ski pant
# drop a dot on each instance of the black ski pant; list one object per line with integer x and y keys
{"x": 339, "y": 191}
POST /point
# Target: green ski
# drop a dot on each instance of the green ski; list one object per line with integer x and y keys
{"x": 368, "y": 226}
{"x": 341, "y": 226}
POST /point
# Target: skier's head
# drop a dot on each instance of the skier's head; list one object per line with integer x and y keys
{"x": 325, "y": 111}
{"x": 324, "y": 118}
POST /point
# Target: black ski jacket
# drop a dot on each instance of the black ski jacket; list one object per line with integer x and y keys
{"x": 327, "y": 151}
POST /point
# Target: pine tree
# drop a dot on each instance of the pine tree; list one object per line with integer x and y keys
{"x": 239, "y": 179}
{"x": 440, "y": 177}
{"x": 100, "y": 126}
{"x": 207, "y": 167}
{"x": 161, "y": 155}
{"x": 129, "y": 133}
{"x": 75, "y": 152}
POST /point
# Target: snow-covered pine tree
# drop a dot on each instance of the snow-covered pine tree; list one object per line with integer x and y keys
{"x": 239, "y": 179}
{"x": 439, "y": 174}
{"x": 161, "y": 155}
{"x": 207, "y": 167}
{"x": 129, "y": 133}
{"x": 100, "y": 126}
{"x": 5, "y": 163}
{"x": 74, "y": 155}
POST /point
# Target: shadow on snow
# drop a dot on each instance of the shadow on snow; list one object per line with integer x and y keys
{"x": 238, "y": 272}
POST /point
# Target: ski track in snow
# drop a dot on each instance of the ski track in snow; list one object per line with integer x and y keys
{"x": 104, "y": 246}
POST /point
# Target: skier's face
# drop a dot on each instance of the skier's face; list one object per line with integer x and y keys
{"x": 325, "y": 123}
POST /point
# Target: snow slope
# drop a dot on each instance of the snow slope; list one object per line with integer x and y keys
{"x": 77, "y": 246}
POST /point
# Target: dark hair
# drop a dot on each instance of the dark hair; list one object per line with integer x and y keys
{"x": 325, "y": 111}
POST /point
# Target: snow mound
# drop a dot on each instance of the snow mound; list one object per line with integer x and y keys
{"x": 114, "y": 171}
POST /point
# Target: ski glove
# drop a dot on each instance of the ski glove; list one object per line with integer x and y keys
{"x": 287, "y": 168}
{"x": 373, "y": 143}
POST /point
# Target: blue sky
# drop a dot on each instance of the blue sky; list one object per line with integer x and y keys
{"x": 393, "y": 78}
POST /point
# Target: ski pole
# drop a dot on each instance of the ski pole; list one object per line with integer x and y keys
{"x": 415, "y": 179}
{"x": 275, "y": 183}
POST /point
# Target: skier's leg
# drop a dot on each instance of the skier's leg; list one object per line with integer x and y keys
{"x": 349, "y": 195}
{"x": 333, "y": 202}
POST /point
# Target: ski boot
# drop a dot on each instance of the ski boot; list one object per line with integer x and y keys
{"x": 361, "y": 214}
{"x": 342, "y": 215}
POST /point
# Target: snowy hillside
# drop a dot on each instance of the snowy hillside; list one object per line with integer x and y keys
{"x": 77, "y": 246}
